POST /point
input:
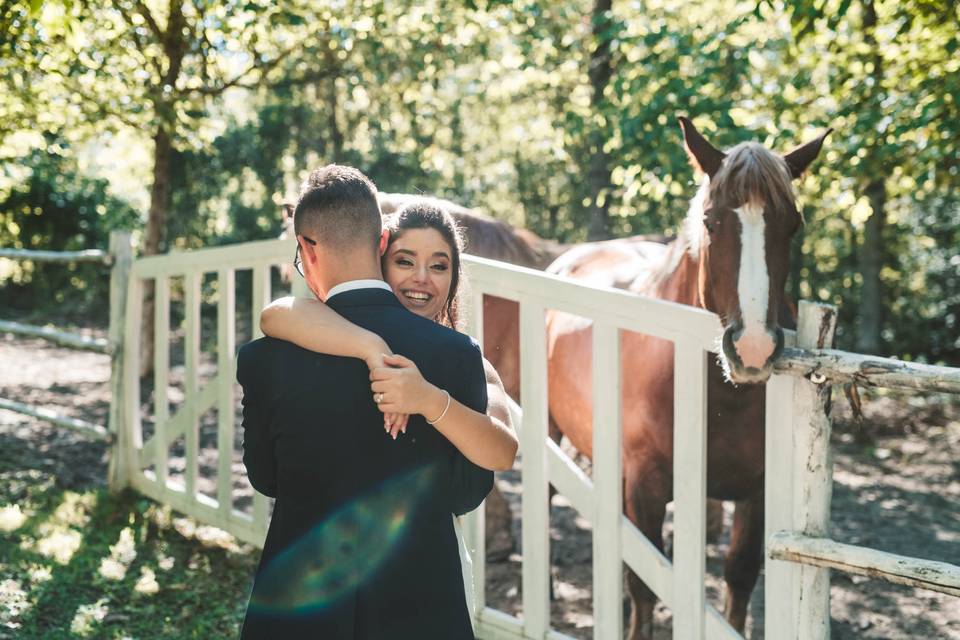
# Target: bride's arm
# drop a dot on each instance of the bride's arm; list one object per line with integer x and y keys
{"x": 486, "y": 439}
{"x": 313, "y": 325}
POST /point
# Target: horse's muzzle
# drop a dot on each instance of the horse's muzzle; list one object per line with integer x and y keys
{"x": 741, "y": 373}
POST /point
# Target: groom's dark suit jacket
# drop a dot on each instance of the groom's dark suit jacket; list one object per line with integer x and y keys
{"x": 361, "y": 544}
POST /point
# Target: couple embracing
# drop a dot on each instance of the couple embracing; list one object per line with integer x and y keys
{"x": 373, "y": 422}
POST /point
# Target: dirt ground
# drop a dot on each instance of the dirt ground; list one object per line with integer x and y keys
{"x": 896, "y": 488}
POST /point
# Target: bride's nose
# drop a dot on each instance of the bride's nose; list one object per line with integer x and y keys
{"x": 420, "y": 274}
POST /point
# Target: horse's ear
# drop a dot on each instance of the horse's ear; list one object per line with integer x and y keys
{"x": 703, "y": 155}
{"x": 800, "y": 158}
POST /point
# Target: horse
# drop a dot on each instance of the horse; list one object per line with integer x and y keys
{"x": 731, "y": 258}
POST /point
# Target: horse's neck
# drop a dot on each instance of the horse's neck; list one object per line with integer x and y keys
{"x": 677, "y": 279}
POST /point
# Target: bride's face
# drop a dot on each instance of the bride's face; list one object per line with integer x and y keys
{"x": 418, "y": 269}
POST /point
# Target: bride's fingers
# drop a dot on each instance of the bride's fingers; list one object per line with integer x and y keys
{"x": 384, "y": 373}
{"x": 397, "y": 360}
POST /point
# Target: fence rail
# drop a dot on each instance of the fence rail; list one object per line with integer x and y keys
{"x": 827, "y": 553}
{"x": 62, "y": 338}
{"x": 836, "y": 367}
{"x": 89, "y": 429}
{"x": 118, "y": 258}
{"x": 89, "y": 255}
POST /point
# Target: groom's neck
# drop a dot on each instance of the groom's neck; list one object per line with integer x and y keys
{"x": 346, "y": 269}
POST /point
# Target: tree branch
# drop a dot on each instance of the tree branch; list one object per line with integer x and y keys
{"x": 140, "y": 42}
{"x": 148, "y": 17}
{"x": 238, "y": 80}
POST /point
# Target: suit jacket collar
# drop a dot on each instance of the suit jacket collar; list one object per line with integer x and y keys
{"x": 363, "y": 297}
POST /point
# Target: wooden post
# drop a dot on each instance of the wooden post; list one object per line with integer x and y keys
{"x": 689, "y": 490}
{"x": 191, "y": 386}
{"x": 226, "y": 403}
{"x": 813, "y": 473}
{"x": 778, "y": 596}
{"x": 607, "y": 483}
{"x": 474, "y": 523}
{"x": 161, "y": 375}
{"x": 535, "y": 533}
{"x": 122, "y": 253}
{"x": 261, "y": 298}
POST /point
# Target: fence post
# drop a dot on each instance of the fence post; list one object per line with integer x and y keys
{"x": 778, "y": 615}
{"x": 813, "y": 473}
{"x": 122, "y": 253}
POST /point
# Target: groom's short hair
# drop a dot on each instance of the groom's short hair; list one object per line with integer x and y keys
{"x": 338, "y": 207}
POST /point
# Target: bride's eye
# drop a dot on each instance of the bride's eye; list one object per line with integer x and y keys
{"x": 440, "y": 267}
{"x": 403, "y": 262}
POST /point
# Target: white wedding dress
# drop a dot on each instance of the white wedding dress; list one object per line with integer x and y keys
{"x": 466, "y": 563}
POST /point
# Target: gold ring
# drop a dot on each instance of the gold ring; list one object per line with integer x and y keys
{"x": 378, "y": 398}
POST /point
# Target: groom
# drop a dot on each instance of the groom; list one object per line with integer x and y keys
{"x": 361, "y": 544}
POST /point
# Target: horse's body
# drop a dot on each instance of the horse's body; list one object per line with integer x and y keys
{"x": 735, "y": 413}
{"x": 732, "y": 259}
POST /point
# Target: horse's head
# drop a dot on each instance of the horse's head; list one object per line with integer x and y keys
{"x": 740, "y": 226}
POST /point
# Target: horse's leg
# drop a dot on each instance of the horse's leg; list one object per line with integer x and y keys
{"x": 646, "y": 492}
{"x": 714, "y": 520}
{"x": 498, "y": 526}
{"x": 743, "y": 559}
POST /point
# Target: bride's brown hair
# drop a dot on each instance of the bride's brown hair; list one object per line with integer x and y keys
{"x": 426, "y": 215}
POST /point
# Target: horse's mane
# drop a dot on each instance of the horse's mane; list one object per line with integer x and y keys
{"x": 752, "y": 173}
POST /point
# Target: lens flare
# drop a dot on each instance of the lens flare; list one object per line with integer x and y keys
{"x": 343, "y": 551}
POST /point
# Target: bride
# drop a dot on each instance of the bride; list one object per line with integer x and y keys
{"x": 422, "y": 266}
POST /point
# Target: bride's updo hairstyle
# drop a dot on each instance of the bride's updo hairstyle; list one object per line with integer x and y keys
{"x": 426, "y": 215}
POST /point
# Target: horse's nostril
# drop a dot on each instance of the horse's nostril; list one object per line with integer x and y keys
{"x": 756, "y": 346}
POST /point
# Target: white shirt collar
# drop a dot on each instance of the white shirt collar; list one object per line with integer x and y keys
{"x": 350, "y": 285}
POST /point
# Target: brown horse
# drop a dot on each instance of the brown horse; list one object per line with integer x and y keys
{"x": 732, "y": 258}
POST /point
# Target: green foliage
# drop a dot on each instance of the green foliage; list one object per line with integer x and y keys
{"x": 52, "y": 206}
{"x": 489, "y": 104}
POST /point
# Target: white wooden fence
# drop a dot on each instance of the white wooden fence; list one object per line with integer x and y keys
{"x": 118, "y": 258}
{"x": 797, "y": 439}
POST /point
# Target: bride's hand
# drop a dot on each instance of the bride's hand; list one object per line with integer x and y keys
{"x": 403, "y": 387}
{"x": 393, "y": 422}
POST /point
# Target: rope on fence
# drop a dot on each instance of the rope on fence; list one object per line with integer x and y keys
{"x": 62, "y": 338}
{"x": 81, "y": 426}
{"x": 88, "y": 255}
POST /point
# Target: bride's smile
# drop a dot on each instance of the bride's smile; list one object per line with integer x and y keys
{"x": 418, "y": 271}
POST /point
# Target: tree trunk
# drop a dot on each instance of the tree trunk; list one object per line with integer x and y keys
{"x": 333, "y": 106}
{"x": 598, "y": 169}
{"x": 871, "y": 253}
{"x": 871, "y": 262}
{"x": 153, "y": 236}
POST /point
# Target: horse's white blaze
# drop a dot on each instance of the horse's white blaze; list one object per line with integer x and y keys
{"x": 756, "y": 344}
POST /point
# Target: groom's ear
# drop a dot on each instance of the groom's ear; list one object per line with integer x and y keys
{"x": 384, "y": 240}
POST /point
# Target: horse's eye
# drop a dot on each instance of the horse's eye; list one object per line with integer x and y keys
{"x": 709, "y": 224}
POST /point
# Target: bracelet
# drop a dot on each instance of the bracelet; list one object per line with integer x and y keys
{"x": 444, "y": 410}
